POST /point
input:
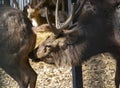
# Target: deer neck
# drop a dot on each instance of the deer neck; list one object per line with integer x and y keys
{"x": 34, "y": 22}
{"x": 37, "y": 21}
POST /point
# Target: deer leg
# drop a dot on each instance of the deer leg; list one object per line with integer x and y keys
{"x": 115, "y": 51}
{"x": 17, "y": 74}
{"x": 32, "y": 74}
{"x": 117, "y": 74}
{"x": 22, "y": 73}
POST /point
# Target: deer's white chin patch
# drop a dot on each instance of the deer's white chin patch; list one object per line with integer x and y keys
{"x": 34, "y": 23}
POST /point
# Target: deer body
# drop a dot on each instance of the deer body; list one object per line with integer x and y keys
{"x": 95, "y": 33}
{"x": 17, "y": 40}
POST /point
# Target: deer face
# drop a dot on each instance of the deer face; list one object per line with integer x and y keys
{"x": 33, "y": 15}
{"x": 31, "y": 12}
{"x": 36, "y": 15}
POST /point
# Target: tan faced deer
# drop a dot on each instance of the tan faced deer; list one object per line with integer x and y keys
{"x": 95, "y": 33}
{"x": 37, "y": 13}
{"x": 17, "y": 40}
{"x": 34, "y": 14}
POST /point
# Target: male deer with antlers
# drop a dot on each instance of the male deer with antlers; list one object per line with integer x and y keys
{"x": 37, "y": 13}
{"x": 95, "y": 33}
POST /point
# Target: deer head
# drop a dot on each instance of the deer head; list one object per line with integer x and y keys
{"x": 61, "y": 38}
{"x": 36, "y": 16}
{"x": 37, "y": 13}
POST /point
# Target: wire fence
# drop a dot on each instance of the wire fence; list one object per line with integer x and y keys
{"x": 1, "y": 2}
{"x": 21, "y": 3}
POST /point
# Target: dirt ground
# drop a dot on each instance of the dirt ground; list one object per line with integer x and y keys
{"x": 98, "y": 72}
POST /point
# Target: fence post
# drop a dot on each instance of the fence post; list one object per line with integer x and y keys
{"x": 77, "y": 76}
{"x": 76, "y": 70}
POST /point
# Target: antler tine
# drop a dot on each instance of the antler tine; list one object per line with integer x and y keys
{"x": 70, "y": 18}
{"x": 40, "y": 3}
{"x": 57, "y": 23}
{"x": 53, "y": 28}
{"x": 79, "y": 9}
{"x": 61, "y": 26}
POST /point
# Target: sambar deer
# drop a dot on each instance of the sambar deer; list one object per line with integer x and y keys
{"x": 17, "y": 40}
{"x": 37, "y": 13}
{"x": 96, "y": 32}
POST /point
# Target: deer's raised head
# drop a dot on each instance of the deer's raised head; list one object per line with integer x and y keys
{"x": 36, "y": 15}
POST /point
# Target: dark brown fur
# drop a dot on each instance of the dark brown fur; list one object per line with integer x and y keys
{"x": 16, "y": 41}
{"x": 96, "y": 32}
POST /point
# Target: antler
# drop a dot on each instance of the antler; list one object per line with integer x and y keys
{"x": 79, "y": 8}
{"x": 59, "y": 26}
{"x": 57, "y": 29}
{"x": 40, "y": 4}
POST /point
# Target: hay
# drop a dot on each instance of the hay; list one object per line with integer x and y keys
{"x": 98, "y": 72}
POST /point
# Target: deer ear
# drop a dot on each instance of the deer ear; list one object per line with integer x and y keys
{"x": 29, "y": 8}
